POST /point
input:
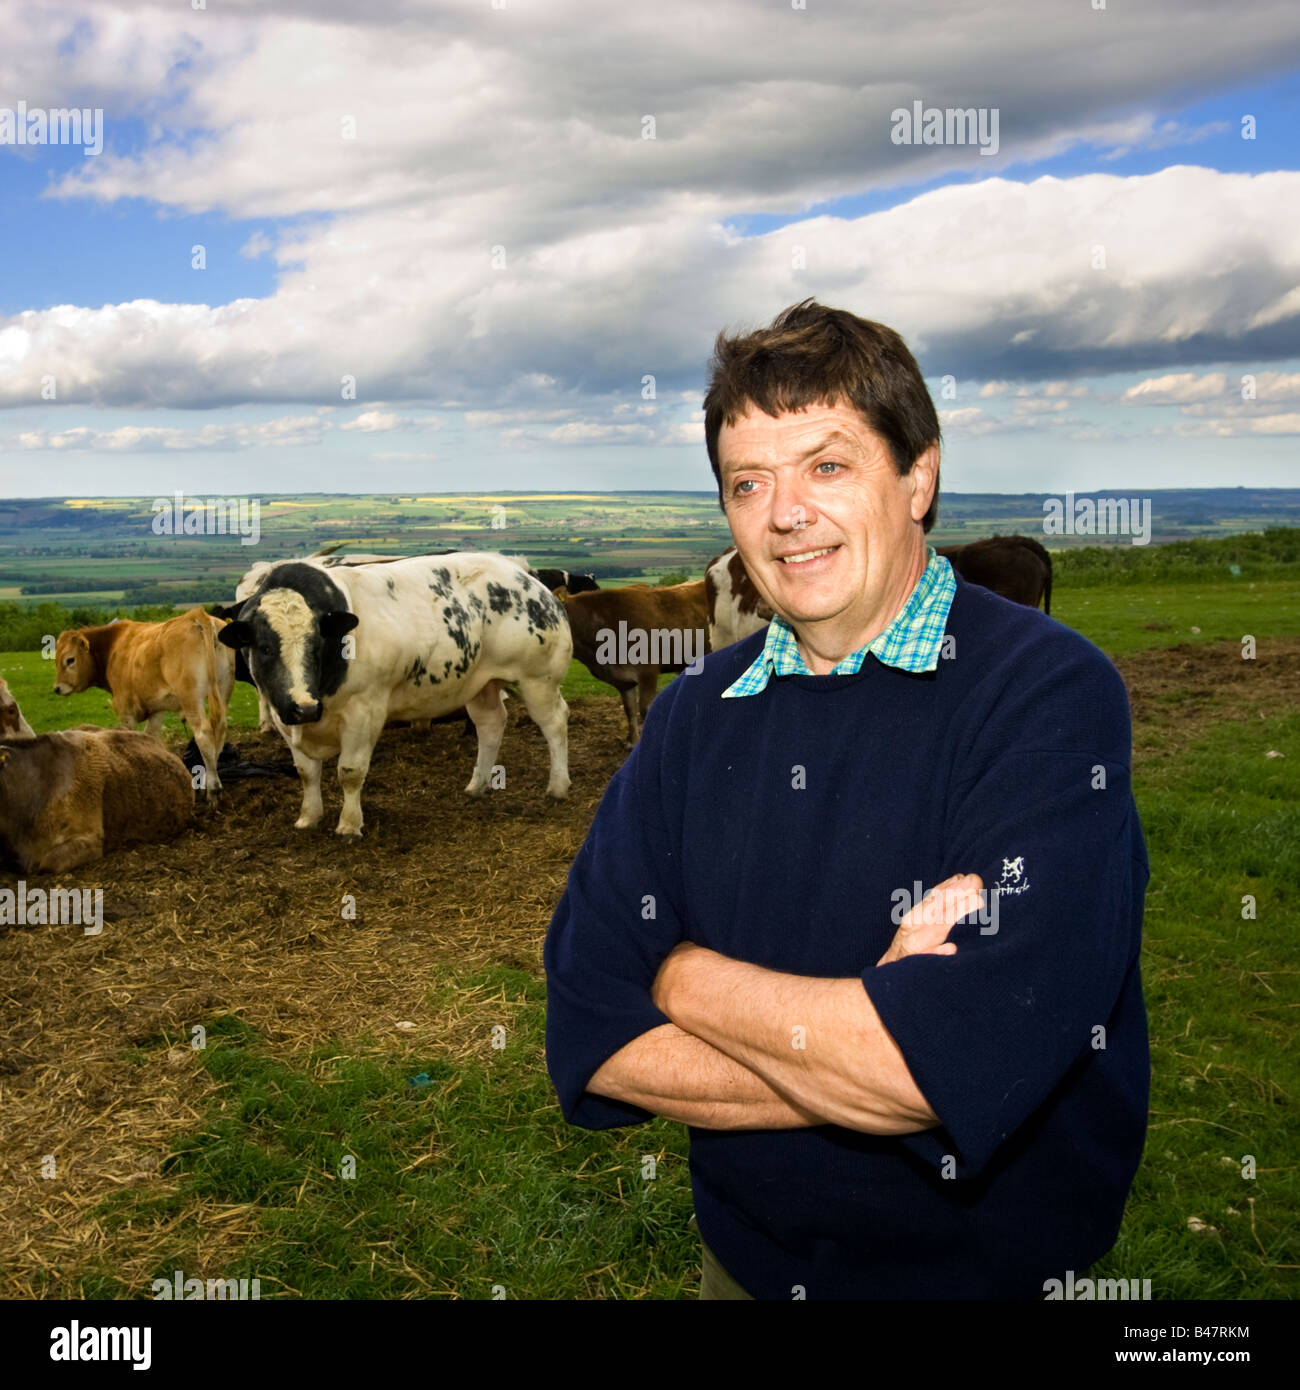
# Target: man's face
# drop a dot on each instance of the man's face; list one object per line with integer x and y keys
{"x": 822, "y": 479}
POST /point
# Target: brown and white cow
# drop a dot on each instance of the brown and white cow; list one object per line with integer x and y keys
{"x": 152, "y": 668}
{"x": 735, "y": 607}
{"x": 1017, "y": 567}
{"x": 67, "y": 798}
{"x": 11, "y": 717}
{"x": 627, "y": 637}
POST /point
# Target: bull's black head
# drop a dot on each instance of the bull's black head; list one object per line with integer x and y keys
{"x": 292, "y": 632}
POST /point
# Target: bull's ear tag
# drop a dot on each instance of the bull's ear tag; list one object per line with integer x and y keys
{"x": 4, "y": 756}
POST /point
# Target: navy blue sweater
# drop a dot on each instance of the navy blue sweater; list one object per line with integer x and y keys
{"x": 1011, "y": 761}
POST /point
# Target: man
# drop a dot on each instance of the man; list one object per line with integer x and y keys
{"x": 869, "y": 1118}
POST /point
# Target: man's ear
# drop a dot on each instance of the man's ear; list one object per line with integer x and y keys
{"x": 925, "y": 480}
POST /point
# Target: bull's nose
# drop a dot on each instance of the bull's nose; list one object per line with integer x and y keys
{"x": 302, "y": 714}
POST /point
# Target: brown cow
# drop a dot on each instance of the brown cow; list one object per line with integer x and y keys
{"x": 11, "y": 717}
{"x": 151, "y": 668}
{"x": 735, "y": 607}
{"x": 1017, "y": 567}
{"x": 626, "y": 637}
{"x": 66, "y": 798}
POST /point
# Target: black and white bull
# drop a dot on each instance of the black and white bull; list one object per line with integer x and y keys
{"x": 567, "y": 580}
{"x": 337, "y": 651}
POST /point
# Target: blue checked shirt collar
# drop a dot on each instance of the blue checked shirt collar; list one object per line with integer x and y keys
{"x": 911, "y": 642}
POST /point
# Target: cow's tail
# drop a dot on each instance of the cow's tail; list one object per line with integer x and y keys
{"x": 1045, "y": 556}
{"x": 210, "y": 627}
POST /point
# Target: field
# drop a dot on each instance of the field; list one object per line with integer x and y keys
{"x": 105, "y": 551}
{"x": 331, "y": 1038}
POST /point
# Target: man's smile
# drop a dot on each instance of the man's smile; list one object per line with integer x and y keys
{"x": 814, "y": 558}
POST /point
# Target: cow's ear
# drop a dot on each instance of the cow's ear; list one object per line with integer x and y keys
{"x": 336, "y": 624}
{"x": 236, "y": 635}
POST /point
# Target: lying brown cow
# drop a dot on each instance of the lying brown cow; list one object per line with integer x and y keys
{"x": 151, "y": 668}
{"x": 11, "y": 717}
{"x": 626, "y": 637}
{"x": 1017, "y": 567}
{"x": 66, "y": 798}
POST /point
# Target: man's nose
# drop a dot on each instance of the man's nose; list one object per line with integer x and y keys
{"x": 791, "y": 510}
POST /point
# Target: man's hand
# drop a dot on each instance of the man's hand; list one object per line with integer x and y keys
{"x": 924, "y": 931}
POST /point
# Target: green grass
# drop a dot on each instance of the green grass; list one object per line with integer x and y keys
{"x": 31, "y": 679}
{"x": 1222, "y": 821}
{"x": 467, "y": 1179}
{"x": 1116, "y": 619}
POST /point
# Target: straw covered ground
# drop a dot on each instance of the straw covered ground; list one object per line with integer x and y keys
{"x": 242, "y": 916}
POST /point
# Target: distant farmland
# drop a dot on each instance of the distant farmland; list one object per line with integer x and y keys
{"x": 104, "y": 551}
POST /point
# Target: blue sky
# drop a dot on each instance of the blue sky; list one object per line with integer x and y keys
{"x": 499, "y": 259}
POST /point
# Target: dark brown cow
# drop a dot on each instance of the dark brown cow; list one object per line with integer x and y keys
{"x": 1017, "y": 567}
{"x": 735, "y": 608}
{"x": 67, "y": 798}
{"x": 626, "y": 637}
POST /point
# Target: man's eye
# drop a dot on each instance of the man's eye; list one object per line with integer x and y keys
{"x": 828, "y": 463}
{"x": 743, "y": 483}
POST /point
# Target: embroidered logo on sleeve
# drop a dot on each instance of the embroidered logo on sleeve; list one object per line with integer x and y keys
{"x": 1013, "y": 878}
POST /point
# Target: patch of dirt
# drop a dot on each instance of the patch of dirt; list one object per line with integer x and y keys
{"x": 1175, "y": 693}
{"x": 243, "y": 914}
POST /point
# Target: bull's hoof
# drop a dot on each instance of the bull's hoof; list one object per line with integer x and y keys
{"x": 351, "y": 836}
{"x": 474, "y": 791}
{"x": 301, "y": 824}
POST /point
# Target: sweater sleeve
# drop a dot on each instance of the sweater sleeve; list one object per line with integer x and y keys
{"x": 1048, "y": 818}
{"x": 620, "y": 915}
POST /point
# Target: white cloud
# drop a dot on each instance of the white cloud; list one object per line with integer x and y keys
{"x": 964, "y": 272}
{"x": 1216, "y": 393}
{"x": 1240, "y": 426}
{"x": 256, "y": 245}
{"x": 136, "y": 439}
{"x": 384, "y": 421}
{"x": 1176, "y": 388}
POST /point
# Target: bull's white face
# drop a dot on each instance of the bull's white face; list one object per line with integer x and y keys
{"x": 285, "y": 656}
{"x": 73, "y": 665}
{"x": 294, "y": 646}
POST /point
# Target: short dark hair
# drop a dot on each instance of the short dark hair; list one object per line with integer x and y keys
{"x": 812, "y": 355}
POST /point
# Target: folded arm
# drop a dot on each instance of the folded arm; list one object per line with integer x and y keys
{"x": 751, "y": 1048}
